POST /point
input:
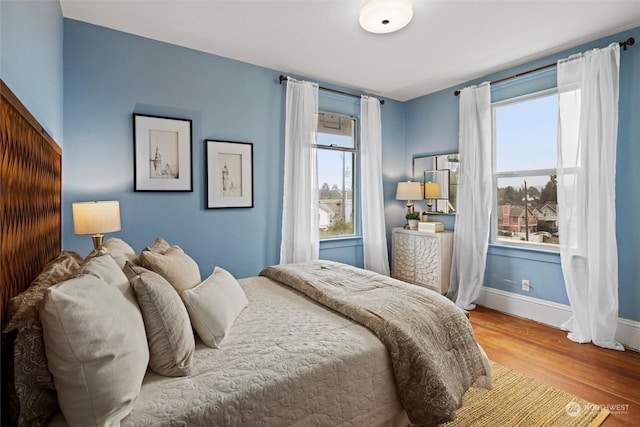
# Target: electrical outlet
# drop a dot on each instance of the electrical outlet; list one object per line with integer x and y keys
{"x": 525, "y": 285}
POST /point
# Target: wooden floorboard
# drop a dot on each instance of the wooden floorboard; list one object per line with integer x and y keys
{"x": 606, "y": 377}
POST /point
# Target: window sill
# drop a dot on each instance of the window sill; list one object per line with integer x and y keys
{"x": 340, "y": 242}
{"x": 528, "y": 252}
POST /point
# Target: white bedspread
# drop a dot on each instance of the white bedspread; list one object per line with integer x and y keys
{"x": 434, "y": 354}
{"x": 286, "y": 361}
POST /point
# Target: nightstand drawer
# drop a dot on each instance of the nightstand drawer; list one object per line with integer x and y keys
{"x": 422, "y": 258}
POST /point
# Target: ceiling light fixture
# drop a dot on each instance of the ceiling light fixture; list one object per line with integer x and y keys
{"x": 385, "y": 16}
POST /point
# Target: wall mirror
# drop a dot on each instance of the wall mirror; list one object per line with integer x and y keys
{"x": 439, "y": 177}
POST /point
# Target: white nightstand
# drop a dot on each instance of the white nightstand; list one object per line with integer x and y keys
{"x": 422, "y": 258}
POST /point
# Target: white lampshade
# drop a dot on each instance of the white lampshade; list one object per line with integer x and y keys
{"x": 408, "y": 191}
{"x": 385, "y": 16}
{"x": 432, "y": 190}
{"x": 96, "y": 217}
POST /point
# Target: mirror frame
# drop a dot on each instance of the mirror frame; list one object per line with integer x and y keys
{"x": 446, "y": 205}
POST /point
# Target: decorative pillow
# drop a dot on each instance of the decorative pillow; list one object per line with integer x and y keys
{"x": 31, "y": 394}
{"x": 174, "y": 265}
{"x": 166, "y": 321}
{"x": 214, "y": 305}
{"x": 96, "y": 347}
{"x": 106, "y": 268}
{"x": 160, "y": 246}
{"x": 118, "y": 249}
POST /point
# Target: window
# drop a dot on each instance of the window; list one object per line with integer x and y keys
{"x": 525, "y": 150}
{"x": 336, "y": 144}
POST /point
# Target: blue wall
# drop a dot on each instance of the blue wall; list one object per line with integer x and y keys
{"x": 432, "y": 127}
{"x": 109, "y": 75}
{"x": 31, "y": 38}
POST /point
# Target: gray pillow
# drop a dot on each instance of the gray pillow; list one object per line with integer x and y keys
{"x": 160, "y": 246}
{"x": 174, "y": 265}
{"x": 166, "y": 321}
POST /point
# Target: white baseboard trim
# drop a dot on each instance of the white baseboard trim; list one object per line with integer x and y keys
{"x": 549, "y": 313}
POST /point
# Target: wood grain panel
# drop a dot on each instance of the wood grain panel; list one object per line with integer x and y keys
{"x": 30, "y": 197}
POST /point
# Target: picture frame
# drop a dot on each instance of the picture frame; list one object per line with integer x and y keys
{"x": 162, "y": 153}
{"x": 229, "y": 174}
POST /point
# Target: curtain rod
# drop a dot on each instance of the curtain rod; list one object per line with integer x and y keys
{"x": 629, "y": 42}
{"x": 326, "y": 89}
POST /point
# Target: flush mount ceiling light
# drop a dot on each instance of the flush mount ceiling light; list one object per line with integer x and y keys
{"x": 385, "y": 16}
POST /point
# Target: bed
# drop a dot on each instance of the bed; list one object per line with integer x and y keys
{"x": 318, "y": 343}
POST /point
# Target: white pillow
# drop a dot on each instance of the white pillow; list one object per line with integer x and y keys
{"x": 105, "y": 267}
{"x": 96, "y": 348}
{"x": 214, "y": 305}
{"x": 118, "y": 249}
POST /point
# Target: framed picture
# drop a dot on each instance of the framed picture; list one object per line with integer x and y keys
{"x": 229, "y": 174}
{"x": 162, "y": 154}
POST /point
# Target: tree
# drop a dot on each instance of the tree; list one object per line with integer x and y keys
{"x": 325, "y": 192}
{"x": 335, "y": 192}
{"x": 544, "y": 226}
{"x": 340, "y": 227}
{"x": 549, "y": 193}
{"x": 510, "y": 196}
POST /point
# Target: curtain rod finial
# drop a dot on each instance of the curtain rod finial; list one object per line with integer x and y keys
{"x": 629, "y": 42}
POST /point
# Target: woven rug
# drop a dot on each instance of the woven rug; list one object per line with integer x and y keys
{"x": 519, "y": 400}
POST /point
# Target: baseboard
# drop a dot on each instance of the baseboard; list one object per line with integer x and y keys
{"x": 550, "y": 313}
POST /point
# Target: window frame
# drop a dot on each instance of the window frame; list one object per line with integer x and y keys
{"x": 355, "y": 173}
{"x": 493, "y": 237}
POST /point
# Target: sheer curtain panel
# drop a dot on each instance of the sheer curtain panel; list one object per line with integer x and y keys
{"x": 300, "y": 232}
{"x": 374, "y": 233}
{"x": 471, "y": 235}
{"x": 587, "y": 138}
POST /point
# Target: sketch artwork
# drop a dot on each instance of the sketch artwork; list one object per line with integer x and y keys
{"x": 231, "y": 171}
{"x": 229, "y": 174}
{"x": 163, "y": 148}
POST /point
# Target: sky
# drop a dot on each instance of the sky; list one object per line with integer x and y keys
{"x": 526, "y": 137}
{"x": 330, "y": 162}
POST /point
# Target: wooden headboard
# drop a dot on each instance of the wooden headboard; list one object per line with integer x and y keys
{"x": 30, "y": 197}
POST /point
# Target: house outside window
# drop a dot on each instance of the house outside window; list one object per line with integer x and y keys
{"x": 525, "y": 162}
{"x": 336, "y": 157}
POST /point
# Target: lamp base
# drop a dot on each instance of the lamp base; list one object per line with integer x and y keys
{"x": 97, "y": 240}
{"x": 409, "y": 206}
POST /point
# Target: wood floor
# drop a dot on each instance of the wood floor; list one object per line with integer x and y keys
{"x": 606, "y": 377}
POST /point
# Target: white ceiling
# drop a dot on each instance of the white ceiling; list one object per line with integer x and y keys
{"x": 447, "y": 43}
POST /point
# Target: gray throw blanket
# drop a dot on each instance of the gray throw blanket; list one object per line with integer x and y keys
{"x": 434, "y": 354}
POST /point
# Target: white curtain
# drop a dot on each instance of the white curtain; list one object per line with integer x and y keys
{"x": 587, "y": 135}
{"x": 471, "y": 235}
{"x": 300, "y": 230}
{"x": 374, "y": 234}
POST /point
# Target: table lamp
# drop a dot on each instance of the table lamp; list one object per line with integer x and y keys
{"x": 409, "y": 191}
{"x": 432, "y": 191}
{"x": 96, "y": 218}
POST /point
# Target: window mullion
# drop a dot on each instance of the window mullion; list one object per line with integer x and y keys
{"x": 525, "y": 173}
